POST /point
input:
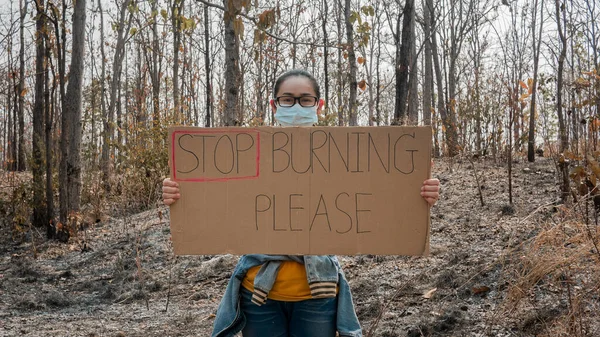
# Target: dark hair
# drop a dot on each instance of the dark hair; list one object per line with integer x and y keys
{"x": 298, "y": 73}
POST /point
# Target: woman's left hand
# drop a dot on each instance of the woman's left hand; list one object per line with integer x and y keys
{"x": 431, "y": 191}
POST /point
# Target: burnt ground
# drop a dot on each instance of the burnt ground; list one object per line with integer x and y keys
{"x": 126, "y": 281}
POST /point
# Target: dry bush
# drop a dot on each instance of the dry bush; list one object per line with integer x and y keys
{"x": 16, "y": 196}
{"x": 135, "y": 184}
{"x": 140, "y": 172}
{"x": 557, "y": 274}
{"x": 93, "y": 197}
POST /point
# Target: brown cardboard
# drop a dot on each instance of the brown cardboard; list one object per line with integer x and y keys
{"x": 300, "y": 190}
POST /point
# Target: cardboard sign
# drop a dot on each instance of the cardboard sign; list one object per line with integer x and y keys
{"x": 300, "y": 190}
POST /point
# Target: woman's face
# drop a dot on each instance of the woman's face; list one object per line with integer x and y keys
{"x": 296, "y": 86}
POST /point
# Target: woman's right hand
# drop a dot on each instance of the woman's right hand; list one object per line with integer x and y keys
{"x": 170, "y": 191}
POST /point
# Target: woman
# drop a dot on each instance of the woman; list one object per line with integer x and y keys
{"x": 285, "y": 295}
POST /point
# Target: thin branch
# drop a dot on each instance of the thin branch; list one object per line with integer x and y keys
{"x": 254, "y": 20}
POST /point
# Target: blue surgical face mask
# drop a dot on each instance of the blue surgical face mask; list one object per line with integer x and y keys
{"x": 296, "y": 115}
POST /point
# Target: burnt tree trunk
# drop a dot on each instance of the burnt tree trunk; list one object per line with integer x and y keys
{"x": 403, "y": 62}
{"x": 72, "y": 108}
{"x": 39, "y": 206}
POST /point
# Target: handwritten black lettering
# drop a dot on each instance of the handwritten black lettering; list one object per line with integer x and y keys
{"x": 341, "y": 210}
{"x": 313, "y": 148}
{"x": 291, "y": 208}
{"x": 222, "y": 154}
{"x": 274, "y": 218}
{"x": 238, "y": 150}
{"x": 203, "y": 137}
{"x": 292, "y": 147}
{"x": 344, "y": 160}
{"x": 264, "y": 209}
{"x": 186, "y": 150}
{"x": 412, "y": 161}
{"x": 326, "y": 214}
{"x": 358, "y": 210}
{"x": 357, "y": 151}
{"x": 280, "y": 149}
{"x": 372, "y": 144}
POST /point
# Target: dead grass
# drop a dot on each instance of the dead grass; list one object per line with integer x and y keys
{"x": 556, "y": 275}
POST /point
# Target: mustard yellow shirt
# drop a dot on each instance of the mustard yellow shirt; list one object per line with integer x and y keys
{"x": 291, "y": 284}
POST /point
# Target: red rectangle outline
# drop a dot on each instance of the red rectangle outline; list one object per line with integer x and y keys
{"x": 249, "y": 130}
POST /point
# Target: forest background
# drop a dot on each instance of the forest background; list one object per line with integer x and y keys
{"x": 88, "y": 88}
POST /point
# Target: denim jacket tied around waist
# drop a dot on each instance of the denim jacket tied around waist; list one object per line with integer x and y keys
{"x": 323, "y": 273}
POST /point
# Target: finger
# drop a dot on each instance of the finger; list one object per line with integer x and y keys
{"x": 169, "y": 182}
{"x": 430, "y": 195}
{"x": 431, "y": 182}
{"x": 169, "y": 202}
{"x": 170, "y": 196}
{"x": 173, "y": 190}
{"x": 430, "y": 188}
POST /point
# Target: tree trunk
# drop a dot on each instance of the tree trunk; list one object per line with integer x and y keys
{"x": 370, "y": 74}
{"x": 575, "y": 125}
{"x": 428, "y": 64}
{"x": 142, "y": 117}
{"x": 413, "y": 79}
{"x": 155, "y": 72}
{"x": 21, "y": 166}
{"x": 232, "y": 67}
{"x": 5, "y": 144}
{"x": 117, "y": 66}
{"x": 11, "y": 110}
{"x": 93, "y": 100}
{"x": 49, "y": 151}
{"x": 536, "y": 58}
{"x": 72, "y": 108}
{"x": 448, "y": 119}
{"x": 340, "y": 74}
{"x": 176, "y": 13}
{"x": 209, "y": 104}
{"x": 106, "y": 121}
{"x": 60, "y": 28}
{"x": 325, "y": 14}
{"x": 378, "y": 73}
{"x": 352, "y": 101}
{"x": 39, "y": 207}
{"x": 564, "y": 141}
{"x": 403, "y": 62}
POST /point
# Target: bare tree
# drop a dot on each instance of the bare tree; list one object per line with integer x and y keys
{"x": 325, "y": 15}
{"x": 564, "y": 141}
{"x": 49, "y": 117}
{"x": 21, "y": 151}
{"x": 232, "y": 64}
{"x": 155, "y": 65}
{"x": 536, "y": 45}
{"x": 72, "y": 109}
{"x": 413, "y": 77}
{"x": 352, "y": 102}
{"x": 428, "y": 64}
{"x": 340, "y": 74}
{"x": 448, "y": 117}
{"x": 403, "y": 46}
{"x": 123, "y": 27}
{"x": 176, "y": 15}
{"x": 39, "y": 207}
{"x": 207, "y": 65}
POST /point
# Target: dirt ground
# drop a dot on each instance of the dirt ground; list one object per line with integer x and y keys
{"x": 127, "y": 282}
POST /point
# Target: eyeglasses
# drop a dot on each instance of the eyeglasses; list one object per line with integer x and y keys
{"x": 304, "y": 101}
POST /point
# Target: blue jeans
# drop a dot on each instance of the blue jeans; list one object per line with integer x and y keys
{"x": 308, "y": 318}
